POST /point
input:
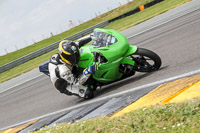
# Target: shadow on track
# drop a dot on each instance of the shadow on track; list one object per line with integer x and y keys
{"x": 114, "y": 86}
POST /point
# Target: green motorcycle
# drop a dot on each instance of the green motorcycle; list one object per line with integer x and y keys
{"x": 115, "y": 57}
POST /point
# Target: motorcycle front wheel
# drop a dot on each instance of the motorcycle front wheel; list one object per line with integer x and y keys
{"x": 145, "y": 60}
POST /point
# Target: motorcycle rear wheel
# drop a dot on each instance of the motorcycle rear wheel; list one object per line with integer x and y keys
{"x": 145, "y": 60}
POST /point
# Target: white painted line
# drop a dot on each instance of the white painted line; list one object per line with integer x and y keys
{"x": 24, "y": 81}
{"x": 110, "y": 96}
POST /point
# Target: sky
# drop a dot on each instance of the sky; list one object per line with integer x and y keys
{"x": 23, "y": 22}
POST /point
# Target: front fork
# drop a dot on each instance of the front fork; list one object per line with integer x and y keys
{"x": 127, "y": 64}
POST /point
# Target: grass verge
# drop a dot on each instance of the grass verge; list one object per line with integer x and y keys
{"x": 119, "y": 25}
{"x": 181, "y": 117}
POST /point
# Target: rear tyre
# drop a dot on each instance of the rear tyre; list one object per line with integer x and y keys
{"x": 146, "y": 60}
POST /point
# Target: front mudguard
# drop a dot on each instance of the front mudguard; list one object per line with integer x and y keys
{"x": 130, "y": 51}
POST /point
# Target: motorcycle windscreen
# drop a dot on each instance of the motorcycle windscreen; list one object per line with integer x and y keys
{"x": 102, "y": 39}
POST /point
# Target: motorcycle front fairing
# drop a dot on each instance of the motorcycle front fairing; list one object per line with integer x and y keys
{"x": 112, "y": 46}
{"x": 85, "y": 57}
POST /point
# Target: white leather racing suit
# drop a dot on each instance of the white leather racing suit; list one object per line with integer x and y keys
{"x": 62, "y": 77}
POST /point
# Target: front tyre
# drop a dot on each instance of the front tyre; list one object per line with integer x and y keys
{"x": 146, "y": 60}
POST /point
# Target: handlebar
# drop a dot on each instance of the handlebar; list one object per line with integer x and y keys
{"x": 99, "y": 57}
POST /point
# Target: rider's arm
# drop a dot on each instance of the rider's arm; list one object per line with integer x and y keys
{"x": 84, "y": 40}
{"x": 87, "y": 73}
{"x": 65, "y": 73}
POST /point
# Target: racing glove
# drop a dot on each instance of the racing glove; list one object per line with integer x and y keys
{"x": 90, "y": 70}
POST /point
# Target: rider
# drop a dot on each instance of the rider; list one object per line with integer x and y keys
{"x": 65, "y": 74}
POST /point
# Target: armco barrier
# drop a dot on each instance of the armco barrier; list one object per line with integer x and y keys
{"x": 136, "y": 10}
{"x": 50, "y": 47}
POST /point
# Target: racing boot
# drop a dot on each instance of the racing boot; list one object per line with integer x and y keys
{"x": 80, "y": 90}
{"x": 89, "y": 93}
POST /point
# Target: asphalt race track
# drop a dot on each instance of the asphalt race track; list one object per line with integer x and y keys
{"x": 177, "y": 42}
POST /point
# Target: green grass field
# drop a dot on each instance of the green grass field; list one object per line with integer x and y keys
{"x": 118, "y": 25}
{"x": 170, "y": 118}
